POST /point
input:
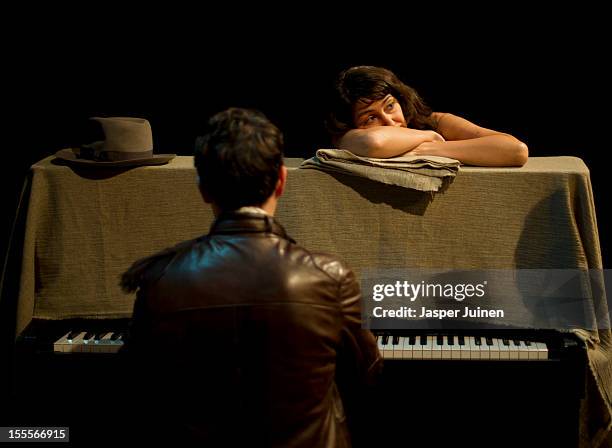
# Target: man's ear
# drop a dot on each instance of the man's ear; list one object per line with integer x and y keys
{"x": 281, "y": 182}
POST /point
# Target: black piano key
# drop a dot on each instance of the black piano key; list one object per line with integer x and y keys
{"x": 461, "y": 340}
{"x": 117, "y": 336}
{"x": 516, "y": 342}
{"x": 423, "y": 340}
{"x": 451, "y": 340}
{"x": 477, "y": 340}
{"x": 489, "y": 340}
{"x": 412, "y": 340}
{"x": 395, "y": 340}
{"x": 528, "y": 343}
{"x": 439, "y": 340}
{"x": 73, "y": 334}
{"x": 506, "y": 342}
{"x": 88, "y": 335}
{"x": 385, "y": 339}
{"x": 99, "y": 335}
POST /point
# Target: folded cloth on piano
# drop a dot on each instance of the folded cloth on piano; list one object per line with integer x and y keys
{"x": 423, "y": 173}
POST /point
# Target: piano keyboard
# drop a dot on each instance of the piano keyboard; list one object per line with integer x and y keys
{"x": 459, "y": 347}
{"x": 89, "y": 342}
{"x": 456, "y": 370}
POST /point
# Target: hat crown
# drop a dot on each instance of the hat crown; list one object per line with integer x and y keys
{"x": 128, "y": 142}
{"x": 126, "y": 134}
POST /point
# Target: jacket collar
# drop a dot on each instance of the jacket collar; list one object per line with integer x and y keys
{"x": 241, "y": 222}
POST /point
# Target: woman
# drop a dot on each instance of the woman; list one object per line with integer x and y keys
{"x": 374, "y": 114}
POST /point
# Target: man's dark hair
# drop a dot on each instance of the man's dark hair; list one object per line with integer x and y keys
{"x": 368, "y": 84}
{"x": 238, "y": 158}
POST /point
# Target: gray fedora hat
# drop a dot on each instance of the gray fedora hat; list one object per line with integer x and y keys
{"x": 128, "y": 142}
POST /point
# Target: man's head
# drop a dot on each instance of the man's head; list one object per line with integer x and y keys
{"x": 240, "y": 160}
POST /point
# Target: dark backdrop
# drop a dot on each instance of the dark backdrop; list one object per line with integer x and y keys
{"x": 542, "y": 78}
{"x": 547, "y": 87}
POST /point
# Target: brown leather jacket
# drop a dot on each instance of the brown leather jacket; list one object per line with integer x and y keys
{"x": 244, "y": 336}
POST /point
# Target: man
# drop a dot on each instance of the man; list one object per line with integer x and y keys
{"x": 242, "y": 336}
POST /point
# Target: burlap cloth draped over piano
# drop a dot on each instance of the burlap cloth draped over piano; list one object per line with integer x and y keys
{"x": 83, "y": 228}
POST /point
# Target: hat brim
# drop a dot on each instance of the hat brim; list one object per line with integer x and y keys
{"x": 70, "y": 156}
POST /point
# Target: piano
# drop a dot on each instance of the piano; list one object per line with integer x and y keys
{"x": 70, "y": 373}
{"x": 488, "y": 388}
{"x": 459, "y": 347}
{"x": 474, "y": 388}
{"x": 91, "y": 336}
{"x": 76, "y": 341}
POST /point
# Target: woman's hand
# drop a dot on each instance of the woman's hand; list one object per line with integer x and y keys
{"x": 426, "y": 148}
{"x": 386, "y": 141}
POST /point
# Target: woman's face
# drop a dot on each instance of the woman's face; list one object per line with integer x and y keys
{"x": 384, "y": 112}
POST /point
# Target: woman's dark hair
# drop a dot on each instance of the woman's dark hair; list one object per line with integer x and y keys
{"x": 368, "y": 84}
{"x": 238, "y": 158}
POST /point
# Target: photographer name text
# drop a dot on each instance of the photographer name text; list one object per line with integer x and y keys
{"x": 409, "y": 312}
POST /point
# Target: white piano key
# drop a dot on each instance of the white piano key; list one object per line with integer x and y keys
{"x": 523, "y": 353}
{"x": 532, "y": 350}
{"x": 397, "y": 348}
{"x": 436, "y": 350}
{"x": 406, "y": 348}
{"x": 99, "y": 337}
{"x": 542, "y": 350}
{"x": 474, "y": 349}
{"x": 417, "y": 348}
{"x": 388, "y": 348}
{"x": 504, "y": 350}
{"x": 87, "y": 343}
{"x": 464, "y": 350}
{"x": 445, "y": 348}
{"x": 494, "y": 349}
{"x": 427, "y": 349}
{"x": 83, "y": 346}
{"x": 455, "y": 348}
{"x": 59, "y": 345}
{"x": 513, "y": 350}
{"x": 104, "y": 344}
{"x": 484, "y": 349}
{"x": 117, "y": 345}
{"x": 74, "y": 345}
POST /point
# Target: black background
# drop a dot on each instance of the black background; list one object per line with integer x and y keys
{"x": 541, "y": 78}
